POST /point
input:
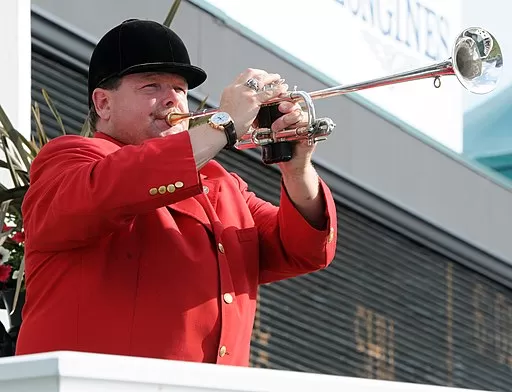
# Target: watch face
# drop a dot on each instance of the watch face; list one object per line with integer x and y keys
{"x": 220, "y": 118}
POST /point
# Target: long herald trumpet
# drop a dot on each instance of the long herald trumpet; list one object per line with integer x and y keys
{"x": 476, "y": 60}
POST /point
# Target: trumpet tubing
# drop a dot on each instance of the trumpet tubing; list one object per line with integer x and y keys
{"x": 476, "y": 61}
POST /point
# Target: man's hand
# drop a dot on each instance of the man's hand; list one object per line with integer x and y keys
{"x": 294, "y": 117}
{"x": 299, "y": 176}
{"x": 243, "y": 103}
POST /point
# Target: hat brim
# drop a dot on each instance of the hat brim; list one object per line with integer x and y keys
{"x": 194, "y": 76}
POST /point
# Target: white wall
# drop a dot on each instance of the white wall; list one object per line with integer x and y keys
{"x": 15, "y": 69}
{"x": 15, "y": 76}
{"x": 15, "y": 64}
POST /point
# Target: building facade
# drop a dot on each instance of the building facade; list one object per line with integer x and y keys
{"x": 420, "y": 290}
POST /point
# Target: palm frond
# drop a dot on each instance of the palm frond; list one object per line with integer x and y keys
{"x": 13, "y": 135}
{"x": 55, "y": 113}
{"x": 202, "y": 104}
{"x": 201, "y": 120}
{"x": 41, "y": 134}
{"x": 172, "y": 13}
{"x": 8, "y": 158}
{"x": 86, "y": 129}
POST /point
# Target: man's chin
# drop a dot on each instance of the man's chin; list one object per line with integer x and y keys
{"x": 172, "y": 131}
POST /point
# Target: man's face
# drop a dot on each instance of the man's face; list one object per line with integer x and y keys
{"x": 136, "y": 110}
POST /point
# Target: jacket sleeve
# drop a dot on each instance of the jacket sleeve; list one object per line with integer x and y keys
{"x": 82, "y": 188}
{"x": 289, "y": 245}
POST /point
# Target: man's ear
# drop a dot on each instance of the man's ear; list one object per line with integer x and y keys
{"x": 102, "y": 102}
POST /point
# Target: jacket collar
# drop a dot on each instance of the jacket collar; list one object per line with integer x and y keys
{"x": 104, "y": 136}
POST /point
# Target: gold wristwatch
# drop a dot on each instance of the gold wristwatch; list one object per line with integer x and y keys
{"x": 223, "y": 121}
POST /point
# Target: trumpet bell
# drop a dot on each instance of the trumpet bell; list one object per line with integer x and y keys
{"x": 477, "y": 60}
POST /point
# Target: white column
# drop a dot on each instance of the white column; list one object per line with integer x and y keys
{"x": 15, "y": 72}
{"x": 15, "y": 76}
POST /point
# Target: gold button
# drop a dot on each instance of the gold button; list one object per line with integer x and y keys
{"x": 153, "y": 191}
{"x": 228, "y": 298}
{"x": 162, "y": 190}
{"x": 221, "y": 248}
{"x": 178, "y": 184}
{"x": 223, "y": 350}
{"x": 205, "y": 189}
{"x": 331, "y": 235}
{"x": 171, "y": 188}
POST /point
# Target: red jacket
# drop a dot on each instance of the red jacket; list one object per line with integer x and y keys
{"x": 129, "y": 251}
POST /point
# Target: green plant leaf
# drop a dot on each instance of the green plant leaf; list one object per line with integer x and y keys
{"x": 5, "y": 234}
{"x": 13, "y": 135}
{"x": 172, "y": 13}
{"x": 33, "y": 150}
{"x": 41, "y": 134}
{"x": 14, "y": 154}
{"x": 55, "y": 113}
{"x": 201, "y": 120}
{"x": 86, "y": 129}
{"x": 12, "y": 194}
{"x": 202, "y": 104}
{"x": 10, "y": 165}
{"x": 4, "y": 207}
{"x": 12, "y": 161}
{"x": 21, "y": 173}
{"x": 21, "y": 275}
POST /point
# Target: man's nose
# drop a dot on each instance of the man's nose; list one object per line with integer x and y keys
{"x": 171, "y": 97}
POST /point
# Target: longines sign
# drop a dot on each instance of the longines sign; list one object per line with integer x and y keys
{"x": 412, "y": 24}
{"x": 352, "y": 41}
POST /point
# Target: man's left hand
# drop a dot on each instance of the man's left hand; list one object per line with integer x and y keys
{"x": 294, "y": 117}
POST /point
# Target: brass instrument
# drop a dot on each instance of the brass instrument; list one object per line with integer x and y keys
{"x": 476, "y": 61}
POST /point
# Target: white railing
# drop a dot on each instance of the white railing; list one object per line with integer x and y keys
{"x": 84, "y": 372}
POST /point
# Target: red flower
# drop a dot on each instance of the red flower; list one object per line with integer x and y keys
{"x": 7, "y": 228}
{"x": 18, "y": 237}
{"x": 5, "y": 273}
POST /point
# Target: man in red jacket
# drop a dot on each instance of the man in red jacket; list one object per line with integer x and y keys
{"x": 137, "y": 242}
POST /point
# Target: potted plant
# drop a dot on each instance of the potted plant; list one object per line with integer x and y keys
{"x": 18, "y": 154}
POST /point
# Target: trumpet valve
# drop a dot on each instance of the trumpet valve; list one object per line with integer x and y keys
{"x": 322, "y": 128}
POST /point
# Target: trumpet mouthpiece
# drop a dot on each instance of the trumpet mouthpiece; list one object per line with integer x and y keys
{"x": 174, "y": 118}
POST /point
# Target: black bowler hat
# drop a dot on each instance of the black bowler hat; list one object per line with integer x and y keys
{"x": 141, "y": 46}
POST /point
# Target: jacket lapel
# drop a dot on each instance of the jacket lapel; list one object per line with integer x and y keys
{"x": 211, "y": 190}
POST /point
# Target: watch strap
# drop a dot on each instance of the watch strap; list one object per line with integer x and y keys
{"x": 230, "y": 131}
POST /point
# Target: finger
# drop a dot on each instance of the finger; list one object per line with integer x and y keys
{"x": 248, "y": 73}
{"x": 288, "y": 106}
{"x": 304, "y": 147}
{"x": 276, "y": 91}
{"x": 269, "y": 78}
{"x": 260, "y": 75}
{"x": 295, "y": 118}
{"x": 263, "y": 78}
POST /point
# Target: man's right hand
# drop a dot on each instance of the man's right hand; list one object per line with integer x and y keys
{"x": 243, "y": 103}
